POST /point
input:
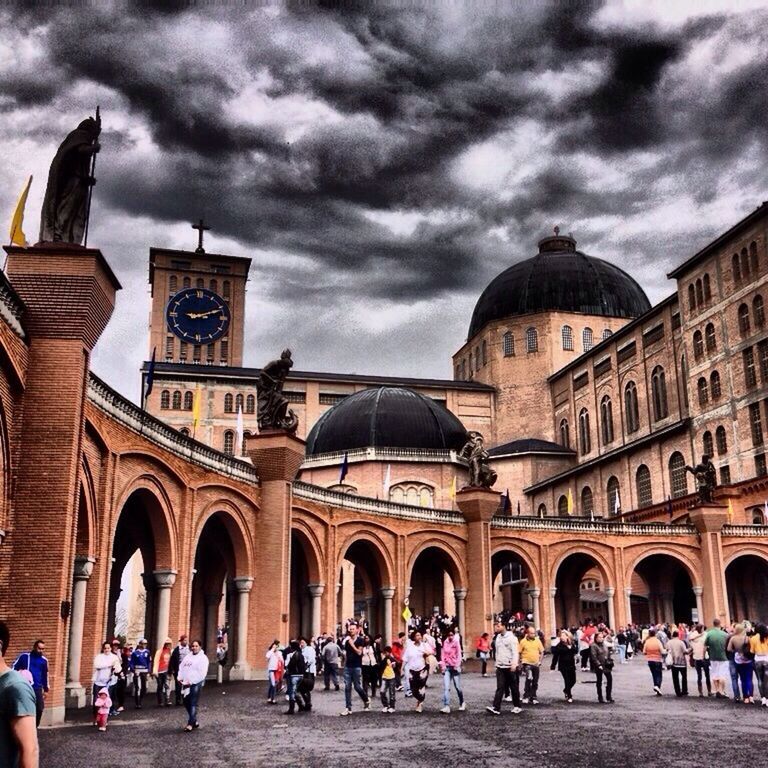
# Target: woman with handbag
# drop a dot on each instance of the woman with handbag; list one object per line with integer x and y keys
{"x": 600, "y": 653}
{"x": 738, "y": 645}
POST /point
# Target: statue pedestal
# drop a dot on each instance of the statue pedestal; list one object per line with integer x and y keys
{"x": 709, "y": 519}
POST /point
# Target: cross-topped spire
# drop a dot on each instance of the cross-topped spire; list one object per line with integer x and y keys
{"x": 200, "y": 227}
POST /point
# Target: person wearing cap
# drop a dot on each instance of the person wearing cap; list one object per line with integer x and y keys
{"x": 140, "y": 664}
{"x": 179, "y": 652}
{"x": 120, "y": 680}
{"x": 160, "y": 671}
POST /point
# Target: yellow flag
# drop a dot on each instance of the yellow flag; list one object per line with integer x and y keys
{"x": 730, "y": 511}
{"x": 570, "y": 502}
{"x": 407, "y": 613}
{"x": 196, "y": 408}
{"x": 452, "y": 492}
{"x": 17, "y": 222}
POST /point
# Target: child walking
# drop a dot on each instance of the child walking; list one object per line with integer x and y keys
{"x": 103, "y": 704}
{"x": 388, "y": 679}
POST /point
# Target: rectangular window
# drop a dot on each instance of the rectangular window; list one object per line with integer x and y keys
{"x": 762, "y": 357}
{"x": 169, "y": 347}
{"x": 196, "y": 352}
{"x": 654, "y": 334}
{"x": 295, "y": 397}
{"x": 580, "y": 381}
{"x": 602, "y": 367}
{"x": 756, "y": 424}
{"x": 675, "y": 321}
{"x": 224, "y": 350}
{"x": 181, "y": 266}
{"x": 210, "y": 353}
{"x": 221, "y": 269}
{"x": 725, "y": 475}
{"x": 760, "y": 469}
{"x": 183, "y": 350}
{"x": 330, "y": 398}
{"x": 750, "y": 375}
{"x": 626, "y": 352}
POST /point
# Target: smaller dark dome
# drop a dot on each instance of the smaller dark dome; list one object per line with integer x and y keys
{"x": 386, "y": 417}
{"x": 528, "y": 445}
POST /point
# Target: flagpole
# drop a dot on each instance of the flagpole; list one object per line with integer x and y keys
{"x": 90, "y": 188}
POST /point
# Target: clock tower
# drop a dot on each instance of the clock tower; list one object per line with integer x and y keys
{"x": 198, "y": 306}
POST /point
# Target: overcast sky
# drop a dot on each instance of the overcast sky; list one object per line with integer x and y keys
{"x": 381, "y": 164}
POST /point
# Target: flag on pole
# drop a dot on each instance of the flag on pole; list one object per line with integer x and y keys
{"x": 617, "y": 503}
{"x": 452, "y": 491}
{"x": 506, "y": 504}
{"x": 570, "y": 502}
{"x": 669, "y": 506}
{"x": 407, "y": 613}
{"x": 344, "y": 468}
{"x": 387, "y": 480}
{"x": 730, "y": 511}
{"x": 240, "y": 430}
{"x": 196, "y": 409}
{"x": 150, "y": 376}
{"x": 17, "y": 222}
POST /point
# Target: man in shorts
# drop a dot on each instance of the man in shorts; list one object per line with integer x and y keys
{"x": 716, "y": 642}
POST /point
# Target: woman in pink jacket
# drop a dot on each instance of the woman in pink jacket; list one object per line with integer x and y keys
{"x": 450, "y": 663}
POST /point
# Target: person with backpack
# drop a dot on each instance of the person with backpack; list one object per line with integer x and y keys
{"x": 295, "y": 669}
{"x": 37, "y": 664}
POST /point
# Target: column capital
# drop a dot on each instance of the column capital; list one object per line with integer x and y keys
{"x": 316, "y": 590}
{"x": 534, "y": 592}
{"x": 460, "y": 593}
{"x": 610, "y": 591}
{"x": 243, "y": 583}
{"x": 698, "y": 591}
{"x": 165, "y": 578}
{"x": 552, "y": 591}
{"x": 83, "y": 567}
{"x": 387, "y": 592}
{"x": 627, "y": 591}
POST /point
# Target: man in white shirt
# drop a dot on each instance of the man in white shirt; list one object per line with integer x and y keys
{"x": 304, "y": 692}
{"x": 507, "y": 669}
{"x": 415, "y": 660}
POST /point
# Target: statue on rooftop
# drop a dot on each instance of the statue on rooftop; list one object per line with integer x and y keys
{"x": 274, "y": 412}
{"x": 66, "y": 204}
{"x": 480, "y": 473}
{"x": 706, "y": 479}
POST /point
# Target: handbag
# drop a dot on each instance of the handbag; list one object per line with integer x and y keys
{"x": 609, "y": 663}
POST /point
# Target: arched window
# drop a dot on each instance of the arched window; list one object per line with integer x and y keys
{"x": 188, "y": 398}
{"x": 238, "y": 403}
{"x": 698, "y": 345}
{"x": 165, "y": 399}
{"x": 173, "y": 284}
{"x": 707, "y": 288}
{"x": 691, "y": 297}
{"x": 509, "y": 344}
{"x": 613, "y": 496}
{"x": 631, "y": 408}
{"x": 754, "y": 264}
{"x": 587, "y": 502}
{"x": 412, "y": 492}
{"x": 532, "y": 340}
{"x": 606, "y": 420}
{"x": 184, "y": 431}
{"x": 562, "y": 506}
{"x": 186, "y": 282}
{"x": 565, "y": 436}
{"x": 709, "y": 333}
{"x": 702, "y": 389}
{"x": 707, "y": 444}
{"x": 567, "y": 338}
{"x": 744, "y": 264}
{"x": 229, "y": 402}
{"x": 699, "y": 292}
{"x": 542, "y": 510}
{"x": 176, "y": 400}
{"x": 758, "y": 518}
{"x": 225, "y": 289}
{"x": 229, "y": 442}
{"x": 214, "y": 285}
{"x": 250, "y": 404}
{"x": 200, "y": 282}
{"x": 246, "y": 435}
{"x": 758, "y": 311}
{"x": 659, "y": 390}
{"x": 714, "y": 385}
{"x": 678, "y": 482}
{"x": 643, "y": 487}
{"x": 721, "y": 440}
{"x": 585, "y": 442}
{"x": 586, "y": 339}
{"x": 607, "y": 333}
{"x": 744, "y": 320}
{"x": 735, "y": 268}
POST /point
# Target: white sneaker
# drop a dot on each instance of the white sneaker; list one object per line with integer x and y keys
{"x": 446, "y": 710}
{"x": 525, "y": 701}
{"x": 345, "y": 712}
{"x": 391, "y": 710}
{"x": 419, "y": 707}
{"x": 463, "y": 706}
{"x": 367, "y": 706}
{"x": 493, "y": 711}
{"x": 534, "y": 701}
{"x": 516, "y": 710}
{"x": 507, "y": 698}
{"x": 385, "y": 709}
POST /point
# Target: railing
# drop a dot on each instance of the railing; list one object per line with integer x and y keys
{"x": 745, "y": 530}
{"x": 375, "y": 506}
{"x": 383, "y": 454}
{"x": 11, "y": 306}
{"x": 591, "y": 526}
{"x": 130, "y": 415}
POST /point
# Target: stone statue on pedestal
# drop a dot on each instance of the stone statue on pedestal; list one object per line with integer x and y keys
{"x": 706, "y": 480}
{"x": 70, "y": 179}
{"x": 274, "y": 412}
{"x": 480, "y": 473}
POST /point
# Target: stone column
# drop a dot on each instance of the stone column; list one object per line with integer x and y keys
{"x": 316, "y": 592}
{"x": 212, "y": 602}
{"x": 164, "y": 581}
{"x": 552, "y": 612}
{"x": 387, "y": 593}
{"x": 699, "y": 591}
{"x": 611, "y": 591}
{"x": 241, "y": 670}
{"x": 535, "y": 593}
{"x": 628, "y": 596}
{"x": 460, "y": 595}
{"x": 75, "y": 692}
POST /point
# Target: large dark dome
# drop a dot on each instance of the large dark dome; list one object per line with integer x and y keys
{"x": 559, "y": 278}
{"x": 386, "y": 417}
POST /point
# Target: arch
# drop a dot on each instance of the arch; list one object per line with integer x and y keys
{"x": 702, "y": 388}
{"x": 532, "y": 340}
{"x": 631, "y": 407}
{"x": 735, "y": 268}
{"x": 607, "y": 333}
{"x": 711, "y": 338}
{"x": 229, "y": 403}
{"x": 565, "y": 437}
{"x": 434, "y": 573}
{"x": 743, "y": 315}
{"x": 587, "y": 339}
{"x": 613, "y": 495}
{"x": 606, "y": 419}
{"x": 585, "y": 439}
{"x": 643, "y": 487}
{"x": 173, "y": 284}
{"x": 659, "y": 391}
{"x": 239, "y": 402}
{"x": 698, "y": 345}
{"x": 688, "y": 563}
{"x": 250, "y": 404}
{"x": 699, "y": 292}
{"x": 567, "y": 335}
{"x": 511, "y": 575}
{"x": 165, "y": 400}
{"x": 715, "y": 388}
{"x": 746, "y": 583}
{"x": 378, "y": 548}
{"x": 237, "y": 527}
{"x": 571, "y": 606}
{"x": 86, "y": 514}
{"x": 758, "y": 311}
{"x": 509, "y": 344}
{"x": 744, "y": 264}
{"x": 758, "y": 516}
{"x": 707, "y": 444}
{"x": 305, "y": 570}
{"x": 529, "y": 562}
{"x": 229, "y": 442}
{"x": 188, "y": 400}
{"x": 587, "y": 502}
{"x": 707, "y": 287}
{"x": 454, "y": 559}
{"x": 678, "y": 480}
{"x": 662, "y": 581}
{"x": 214, "y": 285}
{"x": 721, "y": 440}
{"x": 562, "y": 506}
{"x": 542, "y": 510}
{"x": 754, "y": 261}
{"x": 691, "y": 297}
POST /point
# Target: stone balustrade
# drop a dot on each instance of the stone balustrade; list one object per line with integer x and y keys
{"x": 383, "y": 454}
{"x": 745, "y": 530}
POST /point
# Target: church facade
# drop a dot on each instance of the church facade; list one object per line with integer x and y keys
{"x": 364, "y": 509}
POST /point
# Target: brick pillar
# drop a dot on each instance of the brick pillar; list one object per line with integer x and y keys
{"x": 69, "y": 295}
{"x": 478, "y": 505}
{"x": 709, "y": 520}
{"x": 241, "y": 670}
{"x": 277, "y": 457}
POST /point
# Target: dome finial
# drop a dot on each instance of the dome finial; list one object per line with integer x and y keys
{"x": 557, "y": 230}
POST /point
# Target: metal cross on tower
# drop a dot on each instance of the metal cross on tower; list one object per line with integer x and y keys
{"x": 200, "y": 227}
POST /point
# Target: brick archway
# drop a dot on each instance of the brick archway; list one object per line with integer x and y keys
{"x": 513, "y": 572}
{"x": 746, "y": 584}
{"x": 661, "y": 581}
{"x": 306, "y": 570}
{"x": 434, "y": 571}
{"x": 572, "y": 605}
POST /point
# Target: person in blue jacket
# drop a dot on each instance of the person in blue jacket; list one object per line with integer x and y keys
{"x": 37, "y": 664}
{"x": 141, "y": 665}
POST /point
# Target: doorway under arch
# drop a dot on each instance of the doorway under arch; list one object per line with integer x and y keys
{"x": 746, "y": 580}
{"x": 662, "y": 591}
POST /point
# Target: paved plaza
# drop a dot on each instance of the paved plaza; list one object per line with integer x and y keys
{"x": 239, "y": 729}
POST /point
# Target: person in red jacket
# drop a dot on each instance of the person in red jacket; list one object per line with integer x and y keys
{"x": 397, "y": 655}
{"x": 483, "y": 647}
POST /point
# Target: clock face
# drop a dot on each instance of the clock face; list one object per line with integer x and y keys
{"x": 197, "y": 315}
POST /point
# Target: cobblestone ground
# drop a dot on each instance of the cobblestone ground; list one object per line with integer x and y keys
{"x": 239, "y": 729}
